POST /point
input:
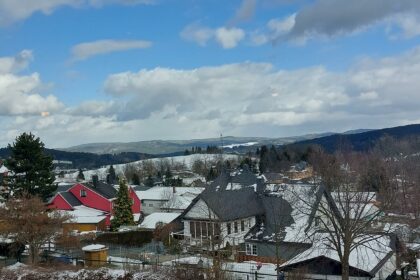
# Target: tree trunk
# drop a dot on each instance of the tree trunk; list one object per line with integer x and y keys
{"x": 33, "y": 254}
{"x": 345, "y": 271}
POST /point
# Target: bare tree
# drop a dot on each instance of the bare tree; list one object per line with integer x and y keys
{"x": 349, "y": 210}
{"x": 28, "y": 221}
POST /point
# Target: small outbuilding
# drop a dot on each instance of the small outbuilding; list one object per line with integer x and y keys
{"x": 95, "y": 255}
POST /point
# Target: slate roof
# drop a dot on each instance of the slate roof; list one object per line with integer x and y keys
{"x": 233, "y": 204}
{"x": 277, "y": 216}
{"x": 63, "y": 187}
{"x": 236, "y": 180}
{"x": 71, "y": 199}
{"x": 106, "y": 190}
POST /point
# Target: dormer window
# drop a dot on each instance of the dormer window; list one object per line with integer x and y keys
{"x": 82, "y": 193}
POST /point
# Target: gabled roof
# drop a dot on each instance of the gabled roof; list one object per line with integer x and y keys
{"x": 70, "y": 198}
{"x": 106, "y": 190}
{"x": 233, "y": 204}
{"x": 368, "y": 257}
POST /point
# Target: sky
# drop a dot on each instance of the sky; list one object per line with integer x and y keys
{"x": 82, "y": 71}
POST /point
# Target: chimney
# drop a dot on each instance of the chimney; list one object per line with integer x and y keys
{"x": 173, "y": 189}
{"x": 95, "y": 180}
{"x": 260, "y": 186}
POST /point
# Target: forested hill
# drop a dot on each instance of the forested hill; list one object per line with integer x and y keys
{"x": 362, "y": 141}
{"x": 89, "y": 160}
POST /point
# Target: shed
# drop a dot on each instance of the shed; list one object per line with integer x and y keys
{"x": 95, "y": 254}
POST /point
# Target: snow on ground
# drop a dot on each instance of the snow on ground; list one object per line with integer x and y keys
{"x": 20, "y": 271}
{"x": 240, "y": 145}
{"x": 239, "y": 271}
{"x": 151, "y": 220}
{"x": 119, "y": 168}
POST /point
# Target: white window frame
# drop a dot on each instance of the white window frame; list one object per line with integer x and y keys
{"x": 83, "y": 193}
{"x": 251, "y": 249}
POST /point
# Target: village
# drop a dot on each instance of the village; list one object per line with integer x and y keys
{"x": 235, "y": 222}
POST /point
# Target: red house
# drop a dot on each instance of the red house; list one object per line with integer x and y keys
{"x": 97, "y": 195}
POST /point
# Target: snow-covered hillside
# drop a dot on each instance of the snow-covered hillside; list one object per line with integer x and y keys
{"x": 119, "y": 168}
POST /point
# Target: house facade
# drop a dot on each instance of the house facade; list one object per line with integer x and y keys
{"x": 94, "y": 195}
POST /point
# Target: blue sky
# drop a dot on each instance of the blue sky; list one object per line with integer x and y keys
{"x": 78, "y": 71}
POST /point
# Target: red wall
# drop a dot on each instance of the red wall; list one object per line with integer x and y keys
{"x": 60, "y": 203}
{"x": 136, "y": 207}
{"x": 92, "y": 199}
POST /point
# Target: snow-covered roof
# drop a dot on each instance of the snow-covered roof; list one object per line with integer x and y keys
{"x": 84, "y": 215}
{"x": 179, "y": 201}
{"x": 3, "y": 169}
{"x": 166, "y": 193}
{"x": 364, "y": 257}
{"x": 94, "y": 247}
{"x": 294, "y": 216}
{"x": 159, "y": 217}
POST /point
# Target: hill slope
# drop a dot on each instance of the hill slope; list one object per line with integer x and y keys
{"x": 362, "y": 141}
{"x": 89, "y": 160}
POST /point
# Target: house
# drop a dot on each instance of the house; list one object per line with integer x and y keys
{"x": 225, "y": 211}
{"x": 84, "y": 219}
{"x": 374, "y": 259}
{"x": 281, "y": 231}
{"x": 95, "y": 195}
{"x": 167, "y": 199}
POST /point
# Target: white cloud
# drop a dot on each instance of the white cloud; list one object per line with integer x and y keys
{"x": 19, "y": 96}
{"x": 17, "y": 63}
{"x": 276, "y": 28}
{"x": 12, "y": 11}
{"x": 238, "y": 96}
{"x": 239, "y": 99}
{"x": 197, "y": 33}
{"x": 226, "y": 37}
{"x": 85, "y": 50}
{"x": 229, "y": 38}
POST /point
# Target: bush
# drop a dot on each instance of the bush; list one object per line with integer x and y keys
{"x": 130, "y": 238}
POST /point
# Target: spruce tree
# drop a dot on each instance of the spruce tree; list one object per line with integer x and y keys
{"x": 112, "y": 177}
{"x": 32, "y": 168}
{"x": 80, "y": 176}
{"x": 122, "y": 207}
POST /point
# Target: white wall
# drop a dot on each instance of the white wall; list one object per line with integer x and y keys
{"x": 151, "y": 206}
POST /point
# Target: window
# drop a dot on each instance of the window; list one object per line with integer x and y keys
{"x": 235, "y": 227}
{"x": 229, "y": 228}
{"x": 82, "y": 193}
{"x": 150, "y": 204}
{"x": 242, "y": 225}
{"x": 251, "y": 249}
{"x": 249, "y": 222}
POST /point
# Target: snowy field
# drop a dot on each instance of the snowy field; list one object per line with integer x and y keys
{"x": 119, "y": 168}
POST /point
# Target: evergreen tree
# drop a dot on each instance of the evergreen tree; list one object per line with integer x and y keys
{"x": 135, "y": 179}
{"x": 32, "y": 168}
{"x": 123, "y": 216}
{"x": 149, "y": 181}
{"x": 112, "y": 177}
{"x": 80, "y": 176}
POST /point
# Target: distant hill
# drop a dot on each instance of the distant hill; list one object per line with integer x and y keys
{"x": 362, "y": 141}
{"x": 159, "y": 147}
{"x": 89, "y": 160}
